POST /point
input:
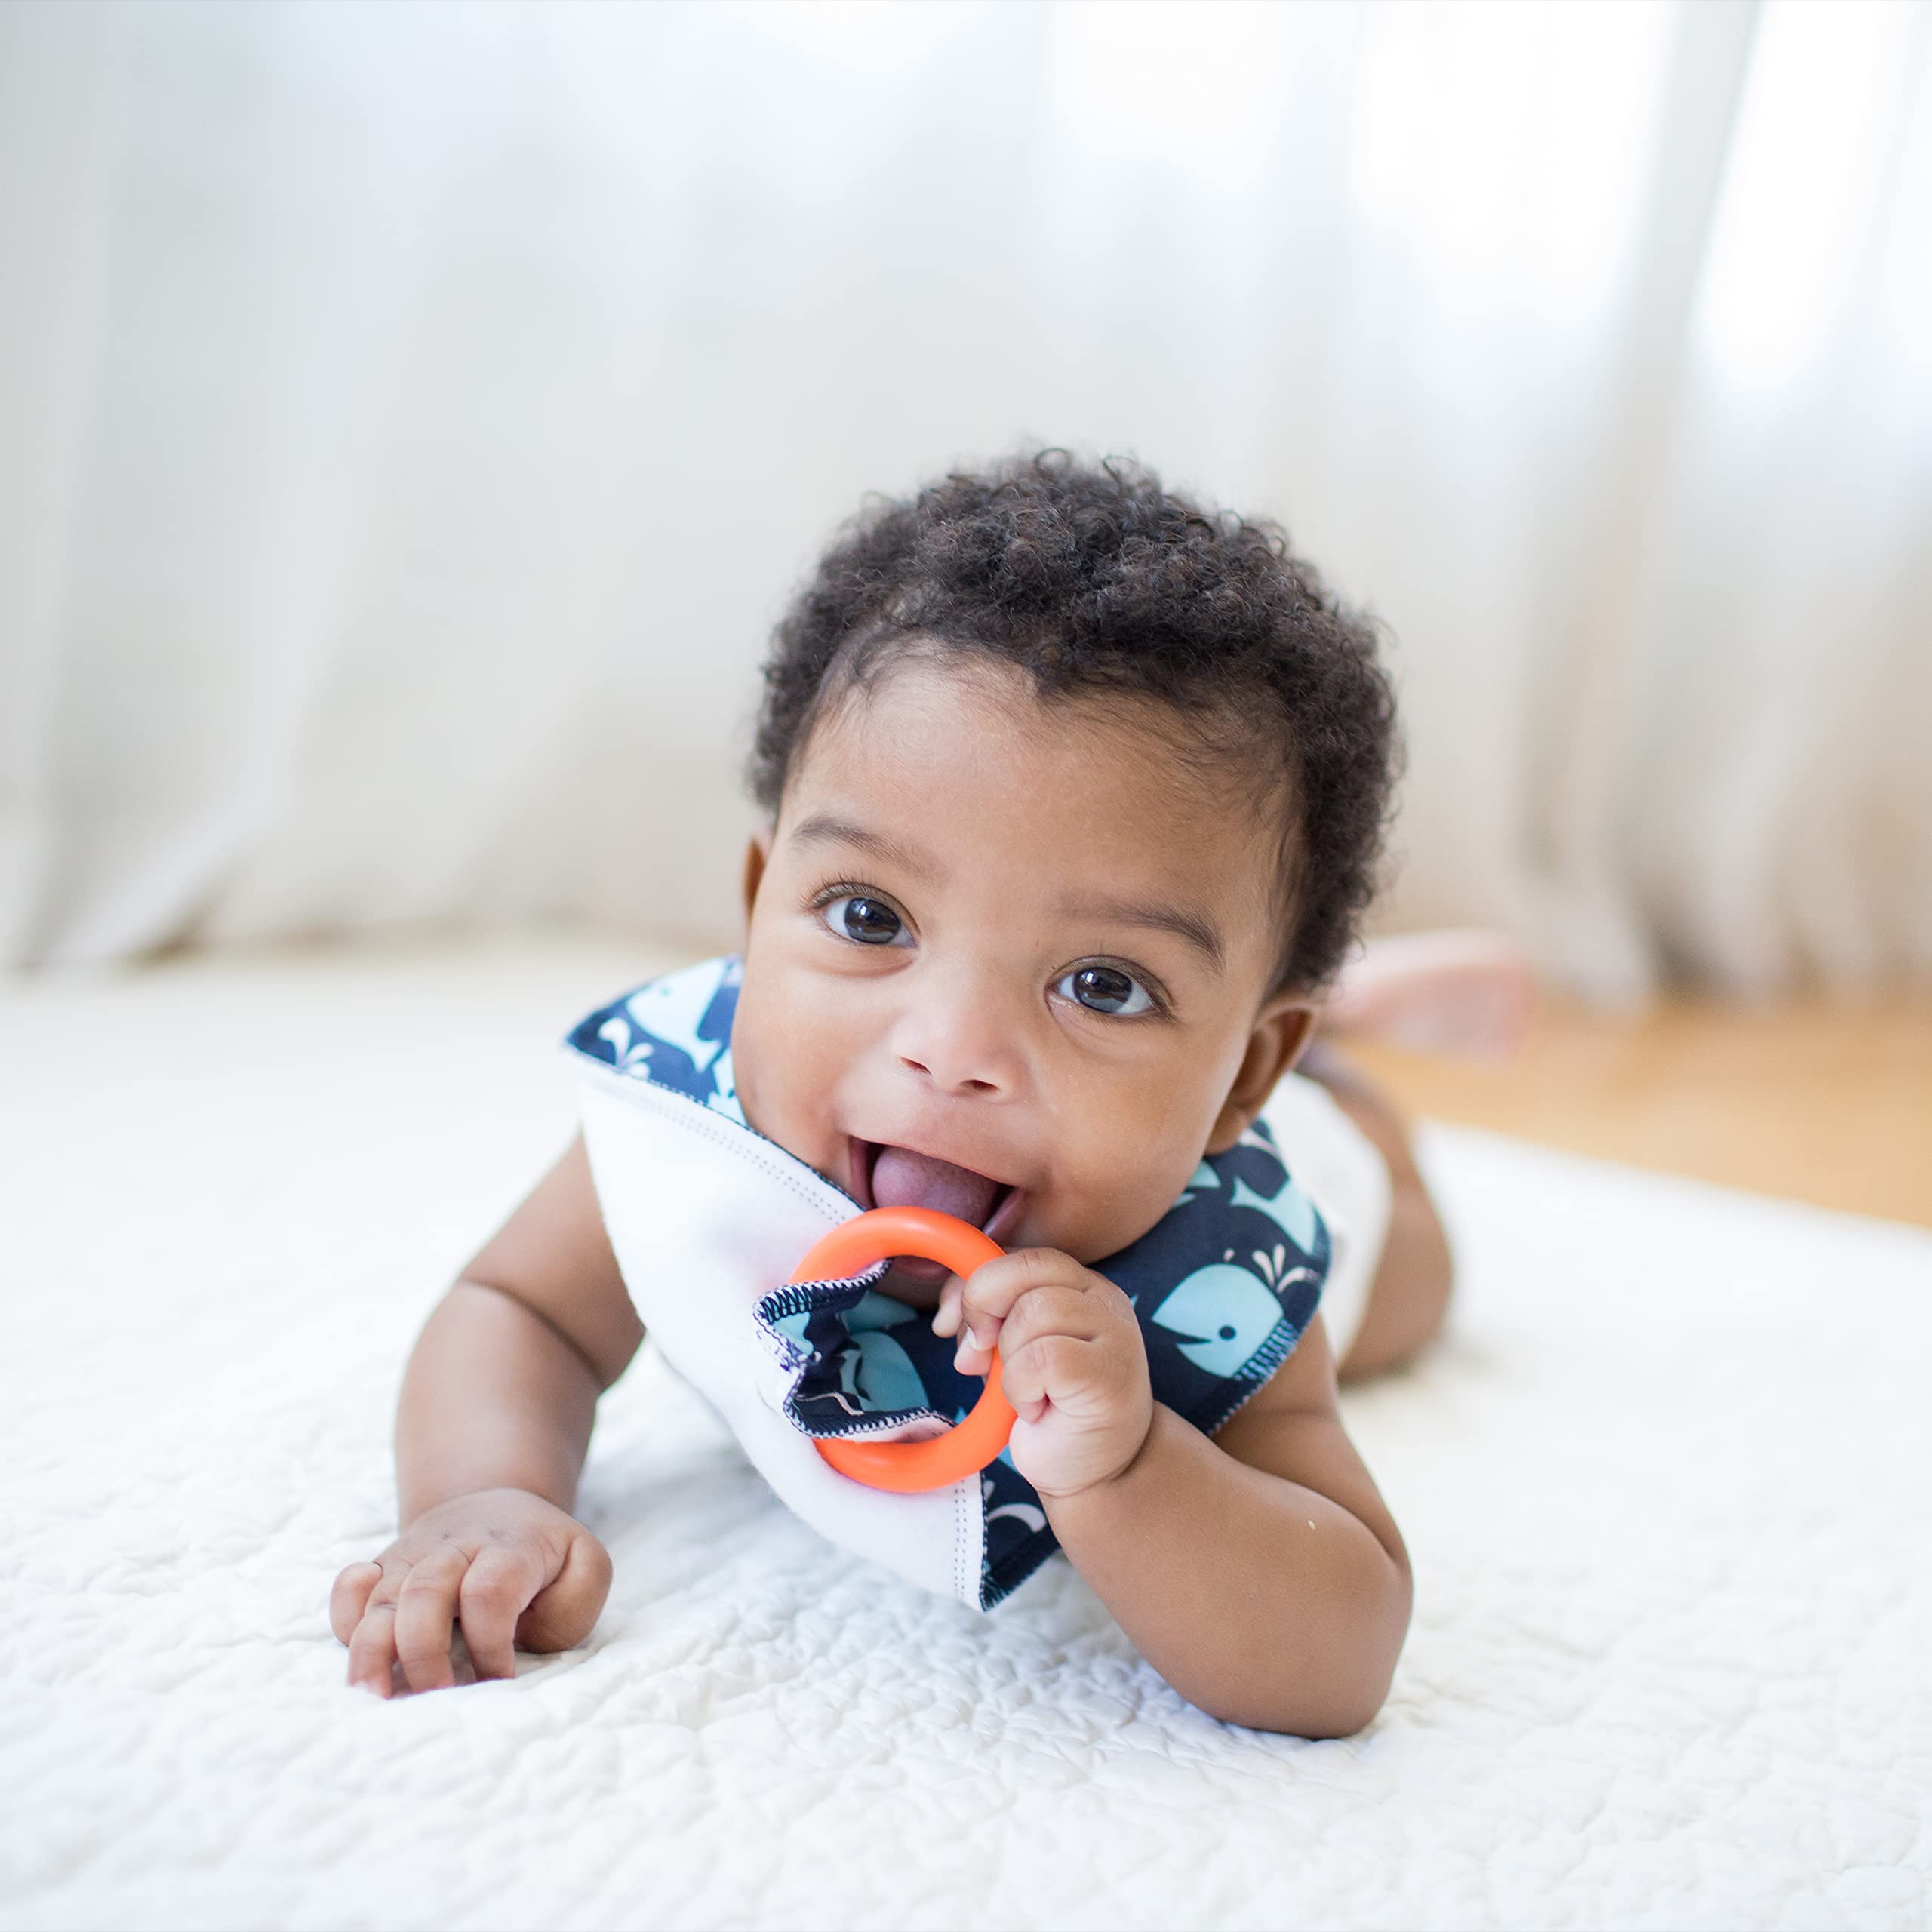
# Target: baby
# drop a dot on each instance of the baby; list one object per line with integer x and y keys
{"x": 1073, "y": 795}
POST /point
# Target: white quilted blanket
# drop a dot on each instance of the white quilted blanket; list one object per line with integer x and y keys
{"x": 1666, "y": 1488}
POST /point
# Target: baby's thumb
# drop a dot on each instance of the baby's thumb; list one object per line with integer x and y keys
{"x": 561, "y": 1614}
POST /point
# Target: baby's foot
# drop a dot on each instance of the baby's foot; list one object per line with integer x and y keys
{"x": 1462, "y": 992}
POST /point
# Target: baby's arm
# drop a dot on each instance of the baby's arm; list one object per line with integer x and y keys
{"x": 495, "y": 1417}
{"x": 1260, "y": 1572}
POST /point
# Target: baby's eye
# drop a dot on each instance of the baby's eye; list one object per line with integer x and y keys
{"x": 1107, "y": 989}
{"x": 871, "y": 921}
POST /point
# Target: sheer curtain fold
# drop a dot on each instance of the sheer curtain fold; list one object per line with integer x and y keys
{"x": 410, "y": 420}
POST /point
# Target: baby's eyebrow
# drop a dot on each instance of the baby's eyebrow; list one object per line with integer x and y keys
{"x": 829, "y": 829}
{"x": 1195, "y": 928}
{"x": 1199, "y": 930}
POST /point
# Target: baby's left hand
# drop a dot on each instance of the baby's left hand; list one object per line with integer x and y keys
{"x": 1072, "y": 1360}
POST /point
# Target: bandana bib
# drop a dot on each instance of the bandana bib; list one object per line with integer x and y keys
{"x": 708, "y": 1219}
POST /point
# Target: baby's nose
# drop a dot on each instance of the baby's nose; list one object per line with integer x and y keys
{"x": 963, "y": 1043}
{"x": 941, "y": 1074}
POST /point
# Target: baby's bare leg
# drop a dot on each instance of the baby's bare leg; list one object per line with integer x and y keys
{"x": 1469, "y": 993}
{"x": 1410, "y": 1292}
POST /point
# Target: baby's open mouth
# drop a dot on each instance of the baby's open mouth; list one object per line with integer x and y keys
{"x": 889, "y": 1176}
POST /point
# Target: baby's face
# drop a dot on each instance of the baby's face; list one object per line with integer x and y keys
{"x": 958, "y": 942}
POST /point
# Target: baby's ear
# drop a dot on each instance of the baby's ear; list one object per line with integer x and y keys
{"x": 756, "y": 853}
{"x": 1283, "y": 1027}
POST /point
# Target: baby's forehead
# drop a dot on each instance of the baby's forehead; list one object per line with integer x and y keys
{"x": 1197, "y": 754}
{"x": 1169, "y": 772}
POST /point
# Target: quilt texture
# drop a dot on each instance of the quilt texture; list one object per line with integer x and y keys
{"x": 1664, "y": 1485}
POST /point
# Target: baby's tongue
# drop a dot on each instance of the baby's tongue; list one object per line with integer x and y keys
{"x": 903, "y": 1179}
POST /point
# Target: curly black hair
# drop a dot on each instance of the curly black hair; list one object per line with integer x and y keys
{"x": 1098, "y": 581}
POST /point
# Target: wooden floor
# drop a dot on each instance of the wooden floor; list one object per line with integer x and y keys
{"x": 1821, "y": 1103}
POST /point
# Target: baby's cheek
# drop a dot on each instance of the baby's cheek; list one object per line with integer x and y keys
{"x": 1116, "y": 1206}
{"x": 763, "y": 1090}
{"x": 758, "y": 1059}
{"x": 746, "y": 1080}
{"x": 783, "y": 1092}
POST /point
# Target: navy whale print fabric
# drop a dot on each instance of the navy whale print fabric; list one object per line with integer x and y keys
{"x": 1224, "y": 1284}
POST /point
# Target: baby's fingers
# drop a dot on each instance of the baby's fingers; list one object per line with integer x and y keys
{"x": 348, "y": 1598}
{"x": 495, "y": 1590}
{"x": 989, "y": 1296}
{"x": 945, "y": 1317}
{"x": 424, "y": 1615}
{"x": 1045, "y": 1370}
{"x": 561, "y": 1614}
{"x": 372, "y": 1650}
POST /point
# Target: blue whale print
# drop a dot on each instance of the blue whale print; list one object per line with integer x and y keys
{"x": 675, "y": 1033}
{"x": 673, "y": 1009}
{"x": 1290, "y": 1207}
{"x": 1225, "y": 1312}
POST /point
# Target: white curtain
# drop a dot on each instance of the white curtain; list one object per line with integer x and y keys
{"x": 412, "y": 416}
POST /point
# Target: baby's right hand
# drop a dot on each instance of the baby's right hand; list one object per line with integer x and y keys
{"x": 512, "y": 1568}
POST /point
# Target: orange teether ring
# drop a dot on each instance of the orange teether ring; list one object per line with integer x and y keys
{"x": 968, "y": 1447}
